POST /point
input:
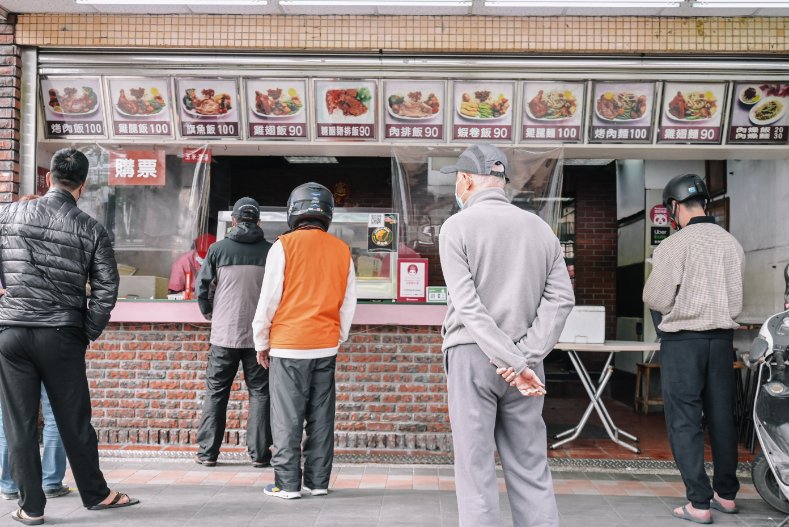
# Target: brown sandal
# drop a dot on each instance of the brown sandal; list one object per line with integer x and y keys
{"x": 115, "y": 503}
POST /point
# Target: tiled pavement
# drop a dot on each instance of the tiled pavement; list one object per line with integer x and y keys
{"x": 180, "y": 493}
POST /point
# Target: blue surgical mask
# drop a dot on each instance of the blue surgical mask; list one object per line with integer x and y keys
{"x": 459, "y": 199}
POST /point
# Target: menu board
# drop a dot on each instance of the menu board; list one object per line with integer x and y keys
{"x": 414, "y": 110}
{"x": 553, "y": 112}
{"x": 207, "y": 107}
{"x": 622, "y": 112}
{"x": 276, "y": 108}
{"x": 140, "y": 106}
{"x": 759, "y": 113}
{"x": 482, "y": 111}
{"x": 346, "y": 109}
{"x": 73, "y": 106}
{"x": 692, "y": 112}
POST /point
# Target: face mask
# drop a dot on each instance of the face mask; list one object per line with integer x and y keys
{"x": 199, "y": 260}
{"x": 459, "y": 199}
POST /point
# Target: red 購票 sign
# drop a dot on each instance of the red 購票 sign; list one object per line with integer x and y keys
{"x": 137, "y": 168}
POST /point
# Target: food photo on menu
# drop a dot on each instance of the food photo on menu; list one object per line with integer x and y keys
{"x": 73, "y": 100}
{"x": 346, "y": 108}
{"x": 621, "y": 106}
{"x": 140, "y": 102}
{"x": 413, "y": 105}
{"x": 277, "y": 103}
{"x": 206, "y": 102}
{"x": 759, "y": 112}
{"x": 553, "y": 111}
{"x": 483, "y": 105}
{"x": 553, "y": 105}
{"x": 276, "y": 108}
{"x": 692, "y": 106}
{"x": 349, "y": 102}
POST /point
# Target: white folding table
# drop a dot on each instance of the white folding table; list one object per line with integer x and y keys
{"x": 595, "y": 392}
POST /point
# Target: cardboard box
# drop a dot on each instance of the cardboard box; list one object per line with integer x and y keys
{"x": 586, "y": 324}
{"x": 143, "y": 287}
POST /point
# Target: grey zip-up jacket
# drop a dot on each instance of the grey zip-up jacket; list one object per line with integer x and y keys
{"x": 509, "y": 290}
{"x": 228, "y": 285}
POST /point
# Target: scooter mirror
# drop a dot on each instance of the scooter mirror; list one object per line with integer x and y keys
{"x": 759, "y": 347}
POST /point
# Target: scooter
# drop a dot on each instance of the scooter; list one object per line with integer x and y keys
{"x": 769, "y": 354}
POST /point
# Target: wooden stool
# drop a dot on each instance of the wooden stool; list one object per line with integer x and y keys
{"x": 642, "y": 401}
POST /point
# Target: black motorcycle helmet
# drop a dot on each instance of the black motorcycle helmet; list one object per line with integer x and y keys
{"x": 310, "y": 201}
{"x": 681, "y": 189}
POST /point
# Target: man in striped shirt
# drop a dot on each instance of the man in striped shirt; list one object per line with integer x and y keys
{"x": 696, "y": 285}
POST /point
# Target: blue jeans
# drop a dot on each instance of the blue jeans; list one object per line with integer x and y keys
{"x": 53, "y": 462}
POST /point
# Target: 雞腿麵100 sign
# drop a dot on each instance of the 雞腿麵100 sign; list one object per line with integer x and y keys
{"x": 622, "y": 112}
{"x": 692, "y": 112}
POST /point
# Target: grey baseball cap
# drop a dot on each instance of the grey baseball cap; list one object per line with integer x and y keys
{"x": 485, "y": 160}
{"x": 246, "y": 209}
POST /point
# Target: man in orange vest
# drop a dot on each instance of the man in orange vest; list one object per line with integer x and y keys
{"x": 306, "y": 305}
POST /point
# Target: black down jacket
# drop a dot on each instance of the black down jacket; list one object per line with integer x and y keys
{"x": 49, "y": 251}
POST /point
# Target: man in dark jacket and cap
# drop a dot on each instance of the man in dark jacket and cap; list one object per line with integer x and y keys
{"x": 50, "y": 250}
{"x": 228, "y": 288}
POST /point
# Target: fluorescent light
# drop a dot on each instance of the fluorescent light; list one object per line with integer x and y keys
{"x": 379, "y": 3}
{"x": 215, "y": 3}
{"x": 596, "y": 4}
{"x": 755, "y": 4}
{"x": 311, "y": 159}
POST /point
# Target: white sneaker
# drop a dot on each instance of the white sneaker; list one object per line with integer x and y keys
{"x": 315, "y": 492}
{"x": 272, "y": 490}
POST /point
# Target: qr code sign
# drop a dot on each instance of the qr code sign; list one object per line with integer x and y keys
{"x": 376, "y": 220}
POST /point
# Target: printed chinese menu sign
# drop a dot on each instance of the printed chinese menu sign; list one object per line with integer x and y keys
{"x": 346, "y": 109}
{"x": 414, "y": 110}
{"x": 622, "y": 112}
{"x": 482, "y": 111}
{"x": 276, "y": 108}
{"x": 553, "y": 112}
{"x": 759, "y": 113}
{"x": 137, "y": 168}
{"x": 207, "y": 107}
{"x": 140, "y": 107}
{"x": 692, "y": 113}
{"x": 73, "y": 106}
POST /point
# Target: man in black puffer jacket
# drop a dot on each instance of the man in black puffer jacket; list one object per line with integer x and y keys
{"x": 50, "y": 250}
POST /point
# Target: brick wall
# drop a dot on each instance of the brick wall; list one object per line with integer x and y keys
{"x": 595, "y": 238}
{"x": 147, "y": 383}
{"x": 10, "y": 74}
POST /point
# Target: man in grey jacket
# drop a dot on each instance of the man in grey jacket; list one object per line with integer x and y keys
{"x": 509, "y": 296}
{"x": 227, "y": 293}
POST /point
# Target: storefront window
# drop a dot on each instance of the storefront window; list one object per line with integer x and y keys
{"x": 424, "y": 197}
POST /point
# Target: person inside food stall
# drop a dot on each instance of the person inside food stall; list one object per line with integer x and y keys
{"x": 185, "y": 268}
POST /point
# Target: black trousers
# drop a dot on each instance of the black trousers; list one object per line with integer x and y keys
{"x": 303, "y": 403}
{"x": 56, "y": 357}
{"x": 697, "y": 378}
{"x": 222, "y": 368}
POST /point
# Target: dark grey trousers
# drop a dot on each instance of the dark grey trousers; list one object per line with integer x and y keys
{"x": 487, "y": 414}
{"x": 302, "y": 390}
{"x": 697, "y": 377}
{"x": 222, "y": 369}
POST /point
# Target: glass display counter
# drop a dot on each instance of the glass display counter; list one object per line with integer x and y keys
{"x": 375, "y": 271}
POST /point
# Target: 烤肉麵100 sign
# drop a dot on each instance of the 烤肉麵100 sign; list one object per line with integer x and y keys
{"x": 553, "y": 112}
{"x": 622, "y": 112}
{"x": 692, "y": 112}
{"x": 207, "y": 107}
{"x": 482, "y": 111}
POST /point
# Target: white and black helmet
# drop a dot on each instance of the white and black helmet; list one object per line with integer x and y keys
{"x": 310, "y": 201}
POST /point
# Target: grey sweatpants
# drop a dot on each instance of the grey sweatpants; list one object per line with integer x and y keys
{"x": 486, "y": 414}
{"x": 302, "y": 390}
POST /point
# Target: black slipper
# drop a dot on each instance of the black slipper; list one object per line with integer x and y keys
{"x": 26, "y": 520}
{"x": 115, "y": 503}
